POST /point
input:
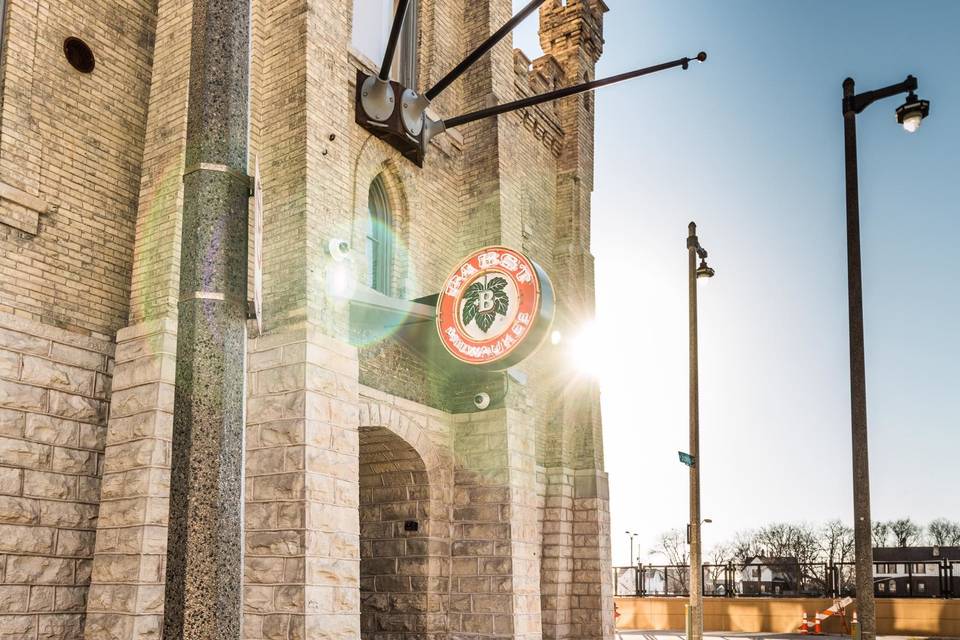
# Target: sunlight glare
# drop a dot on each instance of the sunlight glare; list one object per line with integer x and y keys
{"x": 586, "y": 351}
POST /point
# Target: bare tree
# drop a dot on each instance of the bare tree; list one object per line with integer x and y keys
{"x": 881, "y": 533}
{"x": 673, "y": 546}
{"x": 743, "y": 547}
{"x": 906, "y": 532}
{"x": 786, "y": 540}
{"x": 836, "y": 542}
{"x": 717, "y": 560}
{"x": 944, "y": 532}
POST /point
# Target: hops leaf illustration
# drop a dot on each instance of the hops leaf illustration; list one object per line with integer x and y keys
{"x": 474, "y": 296}
{"x": 471, "y": 302}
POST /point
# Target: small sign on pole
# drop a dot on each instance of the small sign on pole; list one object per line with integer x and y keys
{"x": 258, "y": 245}
{"x": 686, "y": 458}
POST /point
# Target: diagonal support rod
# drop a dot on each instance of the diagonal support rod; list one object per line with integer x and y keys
{"x": 392, "y": 41}
{"x": 559, "y": 93}
{"x": 485, "y": 46}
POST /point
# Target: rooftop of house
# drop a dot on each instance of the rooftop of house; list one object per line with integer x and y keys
{"x": 915, "y": 554}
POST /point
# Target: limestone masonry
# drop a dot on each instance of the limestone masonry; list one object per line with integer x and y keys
{"x": 380, "y": 503}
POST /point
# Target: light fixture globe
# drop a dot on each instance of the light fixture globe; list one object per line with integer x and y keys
{"x": 704, "y": 271}
{"x": 912, "y": 112}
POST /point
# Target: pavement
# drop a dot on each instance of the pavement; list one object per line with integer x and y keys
{"x": 632, "y": 634}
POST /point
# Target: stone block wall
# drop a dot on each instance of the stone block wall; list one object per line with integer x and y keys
{"x": 406, "y": 474}
{"x": 54, "y": 386}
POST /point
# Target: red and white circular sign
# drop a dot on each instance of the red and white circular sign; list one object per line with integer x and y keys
{"x": 495, "y": 308}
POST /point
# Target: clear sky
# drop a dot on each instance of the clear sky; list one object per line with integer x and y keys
{"x": 750, "y": 146}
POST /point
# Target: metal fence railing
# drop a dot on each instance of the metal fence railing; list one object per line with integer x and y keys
{"x": 940, "y": 579}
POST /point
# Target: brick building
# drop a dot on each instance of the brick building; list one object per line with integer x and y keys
{"x": 379, "y": 501}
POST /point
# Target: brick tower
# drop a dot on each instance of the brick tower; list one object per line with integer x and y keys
{"x": 575, "y": 579}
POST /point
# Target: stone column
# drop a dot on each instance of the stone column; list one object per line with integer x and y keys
{"x": 591, "y": 605}
{"x": 302, "y": 564}
{"x": 556, "y": 564}
{"x": 495, "y": 570}
{"x": 126, "y": 589}
{"x": 204, "y": 553}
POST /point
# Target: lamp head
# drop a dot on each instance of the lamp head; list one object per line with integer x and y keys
{"x": 912, "y": 112}
{"x": 704, "y": 271}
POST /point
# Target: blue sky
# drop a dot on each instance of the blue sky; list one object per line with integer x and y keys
{"x": 750, "y": 146}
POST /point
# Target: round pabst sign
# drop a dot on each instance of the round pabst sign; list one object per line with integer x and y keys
{"x": 495, "y": 308}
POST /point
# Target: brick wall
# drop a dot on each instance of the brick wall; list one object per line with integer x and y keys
{"x": 72, "y": 142}
{"x": 402, "y": 590}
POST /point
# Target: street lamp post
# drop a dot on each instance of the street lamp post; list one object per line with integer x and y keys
{"x": 632, "y": 536}
{"x": 694, "y": 250}
{"x": 909, "y": 115}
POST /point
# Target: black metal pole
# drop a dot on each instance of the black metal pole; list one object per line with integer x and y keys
{"x": 392, "y": 41}
{"x": 485, "y": 46}
{"x": 566, "y": 92}
{"x": 863, "y": 543}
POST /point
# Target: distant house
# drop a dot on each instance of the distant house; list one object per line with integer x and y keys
{"x": 768, "y": 575}
{"x": 915, "y": 571}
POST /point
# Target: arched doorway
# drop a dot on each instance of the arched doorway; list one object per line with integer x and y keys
{"x": 403, "y": 581}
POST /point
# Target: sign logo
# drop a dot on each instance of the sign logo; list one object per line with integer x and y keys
{"x": 495, "y": 308}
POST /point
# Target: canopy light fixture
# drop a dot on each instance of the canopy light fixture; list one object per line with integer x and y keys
{"x": 397, "y": 114}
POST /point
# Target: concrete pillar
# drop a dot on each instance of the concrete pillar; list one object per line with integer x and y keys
{"x": 204, "y": 555}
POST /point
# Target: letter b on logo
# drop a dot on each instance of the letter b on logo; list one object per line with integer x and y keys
{"x": 485, "y": 302}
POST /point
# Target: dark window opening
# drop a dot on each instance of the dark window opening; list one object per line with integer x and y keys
{"x": 79, "y": 55}
{"x": 379, "y": 239}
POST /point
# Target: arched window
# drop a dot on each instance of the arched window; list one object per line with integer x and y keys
{"x": 379, "y": 239}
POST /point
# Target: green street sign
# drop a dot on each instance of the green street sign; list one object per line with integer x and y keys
{"x": 686, "y": 458}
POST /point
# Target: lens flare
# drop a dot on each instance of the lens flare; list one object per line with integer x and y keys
{"x": 586, "y": 350}
{"x": 383, "y": 255}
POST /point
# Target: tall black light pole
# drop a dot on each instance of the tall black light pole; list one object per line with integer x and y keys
{"x": 694, "y": 251}
{"x": 909, "y": 115}
{"x": 632, "y": 536}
